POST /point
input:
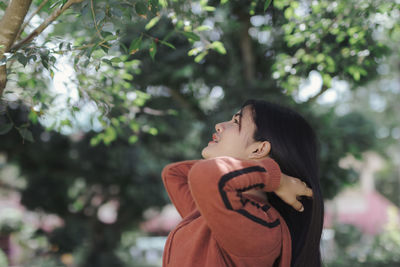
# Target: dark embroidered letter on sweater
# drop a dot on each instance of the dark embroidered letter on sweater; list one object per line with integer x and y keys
{"x": 225, "y": 178}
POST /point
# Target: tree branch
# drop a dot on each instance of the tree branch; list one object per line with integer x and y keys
{"x": 247, "y": 50}
{"x": 46, "y": 23}
{"x": 187, "y": 104}
{"x": 30, "y": 18}
{"x": 94, "y": 20}
{"x": 9, "y": 27}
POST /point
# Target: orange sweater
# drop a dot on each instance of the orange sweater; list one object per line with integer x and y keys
{"x": 221, "y": 226}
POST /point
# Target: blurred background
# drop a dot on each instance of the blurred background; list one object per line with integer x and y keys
{"x": 98, "y": 101}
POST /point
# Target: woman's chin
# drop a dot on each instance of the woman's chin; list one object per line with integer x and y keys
{"x": 206, "y": 152}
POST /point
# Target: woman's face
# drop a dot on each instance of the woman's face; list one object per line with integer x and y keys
{"x": 230, "y": 141}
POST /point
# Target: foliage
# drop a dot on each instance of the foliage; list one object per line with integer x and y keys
{"x": 75, "y": 180}
{"x": 378, "y": 251}
{"x": 104, "y": 38}
{"x": 147, "y": 81}
{"x": 330, "y": 36}
{"x": 387, "y": 182}
{"x": 3, "y": 259}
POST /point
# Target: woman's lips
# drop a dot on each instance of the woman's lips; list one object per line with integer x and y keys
{"x": 215, "y": 138}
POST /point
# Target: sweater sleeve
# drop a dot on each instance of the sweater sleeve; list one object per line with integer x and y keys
{"x": 239, "y": 226}
{"x": 174, "y": 176}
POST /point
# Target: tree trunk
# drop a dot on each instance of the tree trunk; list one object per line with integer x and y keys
{"x": 9, "y": 26}
{"x": 247, "y": 50}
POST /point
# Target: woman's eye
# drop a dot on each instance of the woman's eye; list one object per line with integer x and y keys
{"x": 236, "y": 121}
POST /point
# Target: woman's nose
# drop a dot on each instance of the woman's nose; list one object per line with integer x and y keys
{"x": 218, "y": 127}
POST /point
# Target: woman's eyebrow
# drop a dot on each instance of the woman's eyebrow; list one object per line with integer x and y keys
{"x": 239, "y": 114}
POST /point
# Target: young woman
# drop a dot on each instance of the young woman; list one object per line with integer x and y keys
{"x": 242, "y": 205}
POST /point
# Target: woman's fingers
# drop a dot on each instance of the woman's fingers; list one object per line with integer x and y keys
{"x": 291, "y": 190}
{"x": 308, "y": 192}
{"x": 298, "y": 206}
{"x": 304, "y": 191}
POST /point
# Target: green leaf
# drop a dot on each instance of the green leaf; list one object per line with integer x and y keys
{"x": 133, "y": 139}
{"x": 134, "y": 126}
{"x": 123, "y": 48}
{"x": 153, "y": 131}
{"x": 116, "y": 60}
{"x": 209, "y": 8}
{"x": 127, "y": 76}
{"x": 3, "y": 61}
{"x": 219, "y": 47}
{"x": 5, "y": 128}
{"x": 203, "y": 28}
{"x": 33, "y": 117}
{"x": 110, "y": 38}
{"x": 94, "y": 141}
{"x": 267, "y": 4}
{"x": 3, "y": 6}
{"x": 45, "y": 60}
{"x": 198, "y": 58}
{"x": 289, "y": 12}
{"x": 152, "y": 22}
{"x": 135, "y": 45}
{"x": 167, "y": 44}
{"x": 107, "y": 61}
{"x": 66, "y": 122}
{"x": 110, "y": 135}
{"x": 327, "y": 79}
{"x": 163, "y": 3}
{"x": 153, "y": 50}
{"x": 194, "y": 51}
{"x": 141, "y": 8}
{"x": 172, "y": 112}
{"x": 22, "y": 59}
{"x": 191, "y": 35}
{"x": 26, "y": 134}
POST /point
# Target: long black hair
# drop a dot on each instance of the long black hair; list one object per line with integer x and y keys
{"x": 294, "y": 147}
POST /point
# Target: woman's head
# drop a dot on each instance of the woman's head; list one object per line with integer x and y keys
{"x": 262, "y": 129}
{"x": 259, "y": 126}
{"x": 235, "y": 138}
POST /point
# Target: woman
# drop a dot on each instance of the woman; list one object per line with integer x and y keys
{"x": 241, "y": 205}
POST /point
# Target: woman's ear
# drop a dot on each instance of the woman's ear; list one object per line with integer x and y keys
{"x": 260, "y": 150}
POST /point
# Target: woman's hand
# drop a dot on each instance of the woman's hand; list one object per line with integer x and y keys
{"x": 290, "y": 189}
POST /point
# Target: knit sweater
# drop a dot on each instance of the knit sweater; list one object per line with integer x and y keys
{"x": 222, "y": 225}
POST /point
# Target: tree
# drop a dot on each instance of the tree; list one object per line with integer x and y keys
{"x": 11, "y": 28}
{"x": 160, "y": 74}
{"x": 334, "y": 38}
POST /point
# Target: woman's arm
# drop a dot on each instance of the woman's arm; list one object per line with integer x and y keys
{"x": 239, "y": 227}
{"x": 174, "y": 176}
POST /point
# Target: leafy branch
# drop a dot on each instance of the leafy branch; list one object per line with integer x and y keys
{"x": 30, "y": 18}
{"x": 45, "y": 24}
{"x": 94, "y": 19}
